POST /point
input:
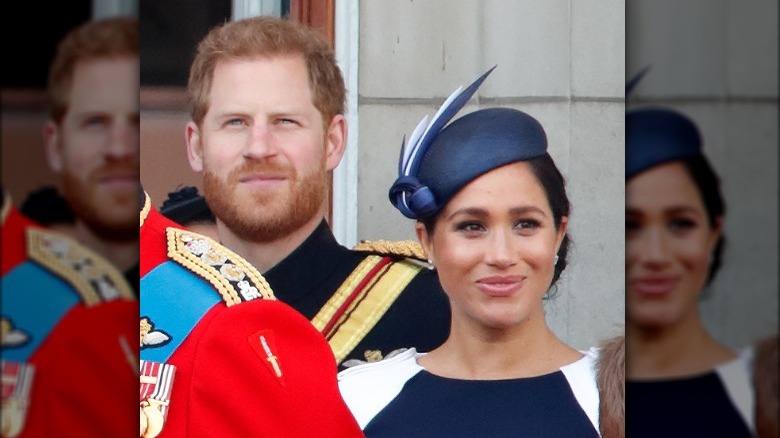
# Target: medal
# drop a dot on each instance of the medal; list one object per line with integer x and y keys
{"x": 144, "y": 423}
{"x": 153, "y": 418}
{"x": 13, "y": 417}
{"x": 156, "y": 380}
{"x": 16, "y": 386}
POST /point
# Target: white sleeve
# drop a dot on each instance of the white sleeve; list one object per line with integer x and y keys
{"x": 369, "y": 388}
{"x": 581, "y": 376}
{"x": 736, "y": 376}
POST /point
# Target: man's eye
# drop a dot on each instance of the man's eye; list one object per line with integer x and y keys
{"x": 96, "y": 121}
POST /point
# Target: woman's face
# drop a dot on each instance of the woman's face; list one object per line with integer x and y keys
{"x": 494, "y": 246}
{"x": 669, "y": 242}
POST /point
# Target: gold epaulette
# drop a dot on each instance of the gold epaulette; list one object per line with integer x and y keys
{"x": 235, "y": 279}
{"x": 91, "y": 276}
{"x": 405, "y": 248}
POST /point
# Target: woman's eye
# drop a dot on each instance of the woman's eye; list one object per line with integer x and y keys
{"x": 470, "y": 227}
{"x": 681, "y": 224}
{"x": 527, "y": 224}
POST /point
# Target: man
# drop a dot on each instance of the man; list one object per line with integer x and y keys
{"x": 220, "y": 356}
{"x": 91, "y": 139}
{"x": 68, "y": 364}
{"x": 267, "y": 125}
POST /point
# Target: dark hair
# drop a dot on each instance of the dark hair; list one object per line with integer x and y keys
{"x": 708, "y": 184}
{"x": 554, "y": 185}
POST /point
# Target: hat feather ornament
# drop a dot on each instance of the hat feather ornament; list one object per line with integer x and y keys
{"x": 412, "y": 198}
{"x": 632, "y": 83}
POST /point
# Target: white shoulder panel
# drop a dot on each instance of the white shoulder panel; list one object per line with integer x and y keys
{"x": 736, "y": 376}
{"x": 582, "y": 379}
{"x": 368, "y": 388}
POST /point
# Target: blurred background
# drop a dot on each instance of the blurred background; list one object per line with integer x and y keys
{"x": 717, "y": 62}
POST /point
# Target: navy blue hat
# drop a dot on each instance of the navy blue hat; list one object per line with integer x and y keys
{"x": 461, "y": 152}
{"x": 656, "y": 136}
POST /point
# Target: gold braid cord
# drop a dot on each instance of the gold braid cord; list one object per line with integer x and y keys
{"x": 368, "y": 307}
{"x": 234, "y": 278}
{"x": 145, "y": 209}
{"x": 405, "y": 248}
{"x": 94, "y": 278}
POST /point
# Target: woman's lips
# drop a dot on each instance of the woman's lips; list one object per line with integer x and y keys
{"x": 655, "y": 286}
{"x": 500, "y": 286}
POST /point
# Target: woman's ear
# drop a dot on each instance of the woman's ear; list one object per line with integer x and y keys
{"x": 561, "y": 232}
{"x": 717, "y": 231}
{"x": 425, "y": 241}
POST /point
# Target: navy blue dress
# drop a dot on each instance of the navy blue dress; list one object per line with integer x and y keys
{"x": 685, "y": 407}
{"x": 398, "y": 398}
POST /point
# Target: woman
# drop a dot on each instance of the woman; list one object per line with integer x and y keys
{"x": 680, "y": 380}
{"x": 492, "y": 216}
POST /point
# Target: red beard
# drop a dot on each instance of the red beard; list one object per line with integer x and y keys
{"x": 265, "y": 216}
{"x": 111, "y": 215}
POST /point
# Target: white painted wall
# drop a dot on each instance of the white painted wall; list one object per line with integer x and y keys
{"x": 561, "y": 61}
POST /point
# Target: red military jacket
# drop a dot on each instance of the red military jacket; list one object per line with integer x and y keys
{"x": 68, "y": 356}
{"x": 243, "y": 363}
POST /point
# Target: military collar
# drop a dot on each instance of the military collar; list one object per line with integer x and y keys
{"x": 309, "y": 266}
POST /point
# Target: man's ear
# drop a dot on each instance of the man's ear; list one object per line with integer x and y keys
{"x": 335, "y": 141}
{"x": 194, "y": 146}
{"x": 51, "y": 145}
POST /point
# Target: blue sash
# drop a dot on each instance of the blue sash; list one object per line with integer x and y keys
{"x": 34, "y": 301}
{"x": 174, "y": 300}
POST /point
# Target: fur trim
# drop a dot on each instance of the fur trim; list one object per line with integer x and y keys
{"x": 765, "y": 378}
{"x": 611, "y": 381}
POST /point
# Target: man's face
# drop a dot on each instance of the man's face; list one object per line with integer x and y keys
{"x": 264, "y": 148}
{"x": 95, "y": 148}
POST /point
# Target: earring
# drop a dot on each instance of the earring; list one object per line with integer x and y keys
{"x": 555, "y": 260}
{"x": 430, "y": 265}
